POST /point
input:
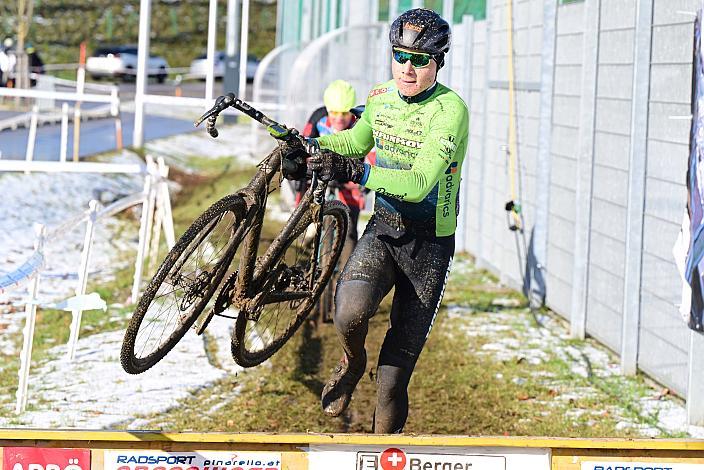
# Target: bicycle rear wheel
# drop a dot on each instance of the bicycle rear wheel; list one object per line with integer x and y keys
{"x": 258, "y": 335}
{"x": 183, "y": 285}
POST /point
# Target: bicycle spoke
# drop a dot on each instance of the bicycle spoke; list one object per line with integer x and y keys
{"x": 185, "y": 287}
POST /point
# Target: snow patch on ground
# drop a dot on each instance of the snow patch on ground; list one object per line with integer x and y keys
{"x": 540, "y": 338}
{"x": 93, "y": 391}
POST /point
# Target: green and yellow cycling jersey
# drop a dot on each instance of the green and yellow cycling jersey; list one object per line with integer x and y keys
{"x": 420, "y": 146}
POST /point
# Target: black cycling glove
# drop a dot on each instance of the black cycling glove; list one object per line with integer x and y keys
{"x": 293, "y": 159}
{"x": 333, "y": 166}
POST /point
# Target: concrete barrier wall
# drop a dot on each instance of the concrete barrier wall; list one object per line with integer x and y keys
{"x": 608, "y": 264}
{"x": 135, "y": 450}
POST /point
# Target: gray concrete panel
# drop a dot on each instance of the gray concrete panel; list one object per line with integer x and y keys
{"x": 662, "y": 78}
{"x": 665, "y": 200}
{"x": 668, "y": 161}
{"x": 528, "y": 104}
{"x": 611, "y": 185}
{"x": 661, "y": 126}
{"x": 659, "y": 237}
{"x": 568, "y": 79}
{"x": 604, "y": 323}
{"x": 611, "y": 150}
{"x": 618, "y": 14}
{"x": 616, "y": 47}
{"x": 661, "y": 278}
{"x": 561, "y": 232}
{"x": 667, "y": 11}
{"x": 670, "y": 44}
{"x": 559, "y": 293}
{"x": 607, "y": 253}
{"x": 570, "y": 19}
{"x": 560, "y": 264}
{"x": 562, "y": 203}
{"x": 613, "y": 116}
{"x": 563, "y": 141}
{"x": 567, "y": 50}
{"x": 658, "y": 358}
{"x": 566, "y": 110}
{"x": 609, "y": 219}
{"x": 564, "y": 173}
{"x": 615, "y": 81}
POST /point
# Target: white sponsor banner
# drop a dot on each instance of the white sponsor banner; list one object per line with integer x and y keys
{"x": 640, "y": 466}
{"x": 205, "y": 460}
{"x": 343, "y": 457}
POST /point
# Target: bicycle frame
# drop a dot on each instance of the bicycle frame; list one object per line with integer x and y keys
{"x": 251, "y": 275}
{"x": 249, "y": 291}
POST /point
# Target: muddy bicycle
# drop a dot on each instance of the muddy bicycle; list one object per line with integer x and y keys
{"x": 216, "y": 266}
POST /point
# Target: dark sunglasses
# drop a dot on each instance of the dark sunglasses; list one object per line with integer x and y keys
{"x": 418, "y": 59}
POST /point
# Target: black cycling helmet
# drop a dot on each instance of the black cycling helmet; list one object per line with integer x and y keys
{"x": 423, "y": 30}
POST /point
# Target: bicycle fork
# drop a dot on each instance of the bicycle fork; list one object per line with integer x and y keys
{"x": 317, "y": 212}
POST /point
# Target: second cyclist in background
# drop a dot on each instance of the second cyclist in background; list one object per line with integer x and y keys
{"x": 335, "y": 116}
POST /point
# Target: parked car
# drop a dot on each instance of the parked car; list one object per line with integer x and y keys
{"x": 199, "y": 66}
{"x": 121, "y": 62}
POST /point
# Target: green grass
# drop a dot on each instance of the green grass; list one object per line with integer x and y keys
{"x": 454, "y": 390}
{"x": 458, "y": 386}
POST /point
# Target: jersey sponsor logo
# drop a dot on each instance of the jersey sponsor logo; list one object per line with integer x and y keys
{"x": 447, "y": 189}
{"x": 394, "y": 150}
{"x": 388, "y": 193}
{"x": 449, "y": 146}
{"x": 412, "y": 27}
{"x": 394, "y": 139}
{"x": 452, "y": 169}
{"x": 380, "y": 91}
{"x": 382, "y": 123}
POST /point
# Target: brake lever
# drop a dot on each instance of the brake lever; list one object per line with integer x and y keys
{"x": 221, "y": 104}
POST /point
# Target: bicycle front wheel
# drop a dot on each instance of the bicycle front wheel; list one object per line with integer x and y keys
{"x": 290, "y": 298}
{"x": 183, "y": 285}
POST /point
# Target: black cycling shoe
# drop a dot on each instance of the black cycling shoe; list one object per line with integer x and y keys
{"x": 337, "y": 393}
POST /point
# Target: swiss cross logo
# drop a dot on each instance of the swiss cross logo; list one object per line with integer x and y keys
{"x": 393, "y": 459}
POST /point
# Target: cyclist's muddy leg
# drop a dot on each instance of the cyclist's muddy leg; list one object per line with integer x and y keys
{"x": 368, "y": 276}
{"x": 355, "y": 303}
{"x": 392, "y": 399}
{"x": 420, "y": 284}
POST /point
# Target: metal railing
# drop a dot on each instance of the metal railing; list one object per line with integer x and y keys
{"x": 156, "y": 216}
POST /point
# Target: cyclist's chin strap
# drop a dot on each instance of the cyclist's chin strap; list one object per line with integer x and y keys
{"x": 423, "y": 95}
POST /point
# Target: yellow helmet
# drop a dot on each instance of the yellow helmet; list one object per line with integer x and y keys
{"x": 339, "y": 96}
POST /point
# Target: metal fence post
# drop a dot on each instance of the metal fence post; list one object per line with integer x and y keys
{"x": 115, "y": 112}
{"x": 636, "y": 186}
{"x": 480, "y": 255}
{"x": 145, "y": 14}
{"x": 64, "y": 133}
{"x": 695, "y": 383}
{"x": 82, "y": 278}
{"x": 585, "y": 168}
{"x": 466, "y": 77}
{"x": 31, "y": 139}
{"x": 30, "y": 310}
{"x": 538, "y": 261}
{"x": 144, "y": 227}
{"x": 167, "y": 220}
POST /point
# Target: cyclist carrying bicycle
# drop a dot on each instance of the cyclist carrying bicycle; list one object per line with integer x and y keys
{"x": 420, "y": 130}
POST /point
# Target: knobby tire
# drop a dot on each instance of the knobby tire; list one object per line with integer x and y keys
{"x": 213, "y": 215}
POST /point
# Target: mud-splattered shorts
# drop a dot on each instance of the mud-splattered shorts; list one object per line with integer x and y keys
{"x": 417, "y": 266}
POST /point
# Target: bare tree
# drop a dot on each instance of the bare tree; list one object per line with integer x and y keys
{"x": 25, "y": 11}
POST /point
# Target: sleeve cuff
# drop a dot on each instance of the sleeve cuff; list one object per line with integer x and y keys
{"x": 365, "y": 177}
